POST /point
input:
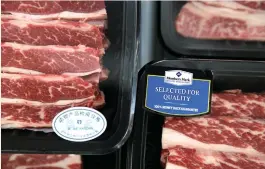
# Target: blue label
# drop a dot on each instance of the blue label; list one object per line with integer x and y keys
{"x": 172, "y": 99}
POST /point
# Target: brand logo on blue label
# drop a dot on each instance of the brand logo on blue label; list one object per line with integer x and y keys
{"x": 178, "y": 77}
{"x": 79, "y": 124}
{"x": 178, "y": 74}
{"x": 178, "y": 93}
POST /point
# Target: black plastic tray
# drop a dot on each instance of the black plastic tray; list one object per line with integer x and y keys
{"x": 119, "y": 89}
{"x": 145, "y": 141}
{"x": 205, "y": 48}
{"x": 100, "y": 162}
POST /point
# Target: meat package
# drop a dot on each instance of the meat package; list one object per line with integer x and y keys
{"x": 230, "y": 136}
{"x": 222, "y": 20}
{"x": 222, "y": 29}
{"x": 62, "y": 54}
{"x": 47, "y": 161}
{"x": 51, "y": 59}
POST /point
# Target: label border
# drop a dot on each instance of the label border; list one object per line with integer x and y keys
{"x": 175, "y": 114}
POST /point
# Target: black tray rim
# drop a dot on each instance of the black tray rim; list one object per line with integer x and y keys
{"x": 127, "y": 88}
{"x": 171, "y": 41}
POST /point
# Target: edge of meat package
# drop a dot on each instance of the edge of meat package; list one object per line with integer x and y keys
{"x": 62, "y": 54}
{"x": 231, "y": 136}
{"x": 234, "y": 29}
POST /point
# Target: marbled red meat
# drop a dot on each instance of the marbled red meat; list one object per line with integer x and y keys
{"x": 215, "y": 133}
{"x": 67, "y": 60}
{"x": 73, "y": 10}
{"x": 45, "y": 88}
{"x": 51, "y": 33}
{"x": 186, "y": 158}
{"x": 40, "y": 161}
{"x": 220, "y": 21}
{"x": 249, "y": 6}
{"x": 254, "y": 4}
{"x": 232, "y": 136}
{"x": 51, "y": 59}
{"x": 34, "y": 100}
{"x": 238, "y": 104}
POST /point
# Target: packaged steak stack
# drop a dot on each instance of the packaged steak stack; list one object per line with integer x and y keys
{"x": 51, "y": 59}
{"x": 231, "y": 136}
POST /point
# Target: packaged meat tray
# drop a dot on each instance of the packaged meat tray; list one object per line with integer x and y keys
{"x": 65, "y": 54}
{"x": 214, "y": 29}
{"x": 231, "y": 136}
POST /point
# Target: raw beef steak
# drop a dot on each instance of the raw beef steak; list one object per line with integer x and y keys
{"x": 50, "y": 7}
{"x": 40, "y": 161}
{"x": 74, "y": 10}
{"x": 218, "y": 133}
{"x": 101, "y": 24}
{"x": 51, "y": 33}
{"x": 255, "y": 4}
{"x": 51, "y": 59}
{"x": 250, "y": 6}
{"x": 24, "y": 115}
{"x": 46, "y": 88}
{"x": 67, "y": 60}
{"x": 34, "y": 100}
{"x": 185, "y": 158}
{"x": 238, "y": 104}
{"x": 202, "y": 21}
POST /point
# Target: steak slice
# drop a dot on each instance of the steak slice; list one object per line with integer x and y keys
{"x": 219, "y": 134}
{"x": 18, "y": 113}
{"x": 73, "y": 10}
{"x": 187, "y": 158}
{"x": 46, "y": 88}
{"x": 238, "y": 104}
{"x": 249, "y": 6}
{"x": 52, "y": 7}
{"x": 44, "y": 161}
{"x": 55, "y": 32}
{"x": 66, "y": 60}
{"x": 201, "y": 21}
{"x": 256, "y": 4}
{"x": 100, "y": 15}
{"x": 34, "y": 100}
{"x": 101, "y": 24}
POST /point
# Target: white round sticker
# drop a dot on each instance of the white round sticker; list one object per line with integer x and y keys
{"x": 79, "y": 124}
